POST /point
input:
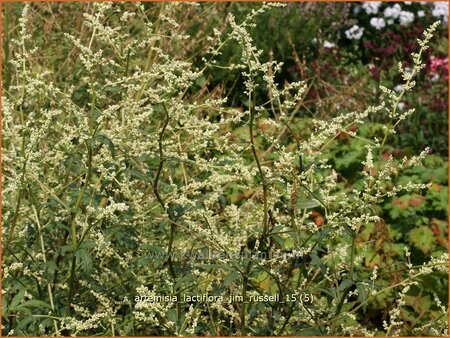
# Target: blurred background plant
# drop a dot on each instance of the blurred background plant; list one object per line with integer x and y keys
{"x": 341, "y": 48}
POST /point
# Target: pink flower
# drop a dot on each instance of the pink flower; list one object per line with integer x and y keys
{"x": 439, "y": 65}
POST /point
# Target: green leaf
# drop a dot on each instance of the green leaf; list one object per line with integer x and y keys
{"x": 153, "y": 249}
{"x": 66, "y": 248}
{"x": 138, "y": 174}
{"x": 106, "y": 141}
{"x": 278, "y": 239}
{"x": 171, "y": 315}
{"x": 50, "y": 266}
{"x": 330, "y": 292}
{"x": 307, "y": 203}
{"x": 201, "y": 81}
{"x": 211, "y": 266}
{"x": 264, "y": 281}
{"x": 309, "y": 332}
{"x": 85, "y": 259}
{"x": 440, "y": 199}
{"x": 316, "y": 261}
{"x": 422, "y": 238}
{"x": 113, "y": 89}
{"x": 231, "y": 277}
{"x": 33, "y": 303}
{"x": 276, "y": 229}
{"x": 88, "y": 245}
{"x": 345, "y": 284}
{"x": 17, "y": 299}
{"x": 362, "y": 295}
{"x": 5, "y": 308}
{"x": 24, "y": 323}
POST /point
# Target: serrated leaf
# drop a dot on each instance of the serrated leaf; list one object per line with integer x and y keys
{"x": 23, "y": 323}
{"x": 85, "y": 260}
{"x": 50, "y": 266}
{"x": 231, "y": 277}
{"x": 154, "y": 249}
{"x": 171, "y": 315}
{"x": 184, "y": 281}
{"x": 66, "y": 248}
{"x": 88, "y": 245}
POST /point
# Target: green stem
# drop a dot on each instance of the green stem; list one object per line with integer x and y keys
{"x": 395, "y": 105}
{"x": 150, "y": 55}
{"x": 347, "y": 290}
{"x": 161, "y": 201}
{"x": 91, "y": 115}
{"x": 6, "y": 40}
{"x": 49, "y": 288}
{"x": 258, "y": 164}
{"x": 352, "y": 257}
{"x": 73, "y": 227}
{"x": 338, "y": 310}
{"x": 161, "y": 160}
{"x": 71, "y": 284}
{"x": 244, "y": 296}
